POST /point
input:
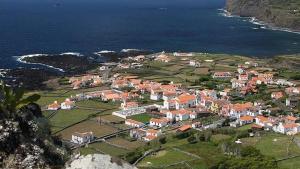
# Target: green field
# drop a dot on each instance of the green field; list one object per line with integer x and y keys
{"x": 164, "y": 158}
{"x": 144, "y": 118}
{"x": 103, "y": 148}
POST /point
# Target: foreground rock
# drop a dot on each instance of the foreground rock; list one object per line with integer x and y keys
{"x": 98, "y": 161}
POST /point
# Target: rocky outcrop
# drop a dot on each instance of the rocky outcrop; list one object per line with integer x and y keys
{"x": 25, "y": 136}
{"x": 276, "y": 13}
{"x": 98, "y": 161}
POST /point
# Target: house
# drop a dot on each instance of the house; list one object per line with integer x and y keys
{"x": 240, "y": 109}
{"x": 261, "y": 121}
{"x": 128, "y": 105}
{"x": 170, "y": 104}
{"x": 222, "y": 75}
{"x": 235, "y": 83}
{"x": 267, "y": 76}
{"x": 168, "y": 95}
{"x": 156, "y": 94}
{"x": 287, "y": 128}
{"x": 194, "y": 63}
{"x": 163, "y": 58}
{"x": 290, "y": 119}
{"x": 184, "y": 128}
{"x": 159, "y": 122}
{"x": 53, "y": 106}
{"x": 134, "y": 123}
{"x": 67, "y": 104}
{"x": 113, "y": 97}
{"x": 119, "y": 83}
{"x": 152, "y": 134}
{"x": 81, "y": 138}
{"x": 276, "y": 95}
{"x": 182, "y": 54}
{"x": 292, "y": 90}
{"x": 179, "y": 115}
{"x": 245, "y": 120}
{"x": 243, "y": 77}
{"x": 139, "y": 58}
{"x": 292, "y": 101}
{"x": 284, "y": 82}
{"x": 137, "y": 133}
{"x": 185, "y": 100}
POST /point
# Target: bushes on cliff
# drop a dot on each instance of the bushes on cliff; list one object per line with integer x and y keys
{"x": 25, "y": 136}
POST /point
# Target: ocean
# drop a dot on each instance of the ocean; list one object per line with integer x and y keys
{"x": 88, "y": 26}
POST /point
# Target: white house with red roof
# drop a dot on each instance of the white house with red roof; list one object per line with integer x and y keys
{"x": 152, "y": 134}
{"x": 134, "y": 123}
{"x": 240, "y": 109}
{"x": 287, "y": 128}
{"x": 159, "y": 122}
{"x": 236, "y": 83}
{"x": 67, "y": 104}
{"x": 179, "y": 115}
{"x": 243, "y": 77}
{"x": 246, "y": 120}
{"x": 185, "y": 100}
{"x": 156, "y": 94}
{"x": 222, "y": 75}
{"x": 277, "y": 95}
{"x": 129, "y": 105}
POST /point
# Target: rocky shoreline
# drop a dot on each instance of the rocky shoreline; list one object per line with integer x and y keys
{"x": 280, "y": 15}
{"x": 48, "y": 66}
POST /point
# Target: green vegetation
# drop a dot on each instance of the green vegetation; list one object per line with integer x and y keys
{"x": 144, "y": 118}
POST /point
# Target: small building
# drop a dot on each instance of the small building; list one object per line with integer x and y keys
{"x": 222, "y": 75}
{"x": 184, "y": 128}
{"x": 67, "y": 104}
{"x": 246, "y": 120}
{"x": 128, "y": 105}
{"x": 159, "y": 122}
{"x": 152, "y": 134}
{"x": 287, "y": 128}
{"x": 276, "y": 95}
{"x": 137, "y": 133}
{"x": 81, "y": 138}
{"x": 292, "y": 101}
{"x": 156, "y": 95}
{"x": 134, "y": 123}
{"x": 194, "y": 63}
{"x": 53, "y": 106}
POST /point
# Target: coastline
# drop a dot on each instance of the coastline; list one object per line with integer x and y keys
{"x": 22, "y": 58}
{"x": 256, "y": 21}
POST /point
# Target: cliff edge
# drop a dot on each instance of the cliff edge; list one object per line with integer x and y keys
{"x": 276, "y": 13}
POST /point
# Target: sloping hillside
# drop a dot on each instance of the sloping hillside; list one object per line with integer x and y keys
{"x": 278, "y": 13}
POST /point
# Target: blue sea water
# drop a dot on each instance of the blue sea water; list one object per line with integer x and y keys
{"x": 87, "y": 26}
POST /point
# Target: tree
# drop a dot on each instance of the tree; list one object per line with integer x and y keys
{"x": 13, "y": 99}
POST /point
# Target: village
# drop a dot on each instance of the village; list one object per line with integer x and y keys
{"x": 243, "y": 94}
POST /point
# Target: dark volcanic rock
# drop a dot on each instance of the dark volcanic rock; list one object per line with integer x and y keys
{"x": 29, "y": 78}
{"x": 71, "y": 64}
{"x": 277, "y": 13}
